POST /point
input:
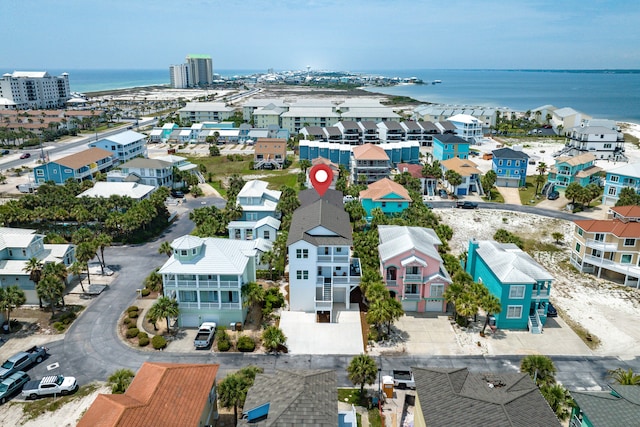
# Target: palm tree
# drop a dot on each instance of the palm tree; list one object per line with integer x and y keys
{"x": 102, "y": 240}
{"x": 540, "y": 368}
{"x": 623, "y": 377}
{"x": 57, "y": 269}
{"x": 165, "y": 307}
{"x": 491, "y": 305}
{"x": 232, "y": 392}
{"x": 34, "y": 268}
{"x": 165, "y": 247}
{"x": 273, "y": 338}
{"x": 153, "y": 281}
{"x": 51, "y": 289}
{"x": 304, "y": 165}
{"x": 76, "y": 269}
{"x": 10, "y": 298}
{"x": 386, "y": 310}
{"x": 120, "y": 380}
{"x": 362, "y": 370}
{"x": 85, "y": 251}
{"x": 559, "y": 399}
{"x": 252, "y": 294}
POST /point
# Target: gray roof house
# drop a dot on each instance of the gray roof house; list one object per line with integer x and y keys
{"x": 295, "y": 398}
{"x": 619, "y": 407}
{"x": 457, "y": 397}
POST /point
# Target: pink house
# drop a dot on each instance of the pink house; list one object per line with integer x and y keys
{"x": 412, "y": 268}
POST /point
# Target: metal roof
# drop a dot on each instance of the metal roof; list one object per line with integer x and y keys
{"x": 511, "y": 264}
{"x": 396, "y": 240}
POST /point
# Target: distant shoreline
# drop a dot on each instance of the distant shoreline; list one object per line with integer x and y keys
{"x": 124, "y": 90}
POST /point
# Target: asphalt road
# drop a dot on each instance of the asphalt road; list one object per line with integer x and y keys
{"x": 91, "y": 349}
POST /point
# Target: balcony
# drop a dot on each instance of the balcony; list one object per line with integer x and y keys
{"x": 413, "y": 278}
{"x": 601, "y": 245}
{"x": 411, "y": 296}
{"x": 626, "y": 269}
{"x": 230, "y": 306}
{"x": 540, "y": 293}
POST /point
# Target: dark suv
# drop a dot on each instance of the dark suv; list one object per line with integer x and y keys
{"x": 466, "y": 205}
{"x": 177, "y": 194}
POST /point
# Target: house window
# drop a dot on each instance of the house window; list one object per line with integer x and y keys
{"x": 302, "y": 253}
{"x": 599, "y": 237}
{"x": 500, "y": 163}
{"x": 499, "y": 171}
{"x": 516, "y": 292}
{"x": 183, "y": 252}
{"x": 436, "y": 291}
{"x": 413, "y": 270}
{"x": 266, "y": 234}
{"x": 252, "y": 216}
{"x": 338, "y": 250}
{"x": 208, "y": 296}
{"x": 384, "y": 204}
{"x": 302, "y": 274}
{"x": 411, "y": 289}
{"x": 625, "y": 259}
{"x": 596, "y": 253}
{"x": 614, "y": 178}
{"x": 508, "y": 162}
{"x": 580, "y": 232}
{"x": 514, "y": 312}
{"x": 607, "y": 145}
{"x": 40, "y": 172}
{"x": 629, "y": 242}
{"x": 187, "y": 296}
{"x": 237, "y": 234}
{"x": 578, "y": 247}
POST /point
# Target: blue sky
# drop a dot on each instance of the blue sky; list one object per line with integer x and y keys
{"x": 348, "y": 35}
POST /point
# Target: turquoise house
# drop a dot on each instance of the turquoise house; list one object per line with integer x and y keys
{"x": 578, "y": 169}
{"x": 520, "y": 283}
{"x": 616, "y": 407}
{"x": 448, "y": 146}
{"x": 385, "y": 194}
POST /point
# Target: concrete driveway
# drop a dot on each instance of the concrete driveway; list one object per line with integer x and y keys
{"x": 511, "y": 195}
{"x": 306, "y": 336}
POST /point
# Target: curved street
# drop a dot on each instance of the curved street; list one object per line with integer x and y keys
{"x": 92, "y": 350}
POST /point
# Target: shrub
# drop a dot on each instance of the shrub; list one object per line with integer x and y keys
{"x": 145, "y": 292}
{"x": 67, "y": 318}
{"x": 132, "y": 332}
{"x": 224, "y": 345}
{"x": 127, "y": 321}
{"x": 158, "y": 342}
{"x": 133, "y": 314}
{"x": 142, "y": 334}
{"x": 221, "y": 334}
{"x": 59, "y": 326}
{"x": 133, "y": 308}
{"x": 143, "y": 342}
{"x": 246, "y": 344}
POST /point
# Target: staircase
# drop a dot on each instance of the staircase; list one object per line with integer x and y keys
{"x": 326, "y": 291}
{"x": 534, "y": 324}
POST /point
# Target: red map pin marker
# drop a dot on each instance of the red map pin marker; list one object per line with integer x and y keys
{"x": 321, "y": 177}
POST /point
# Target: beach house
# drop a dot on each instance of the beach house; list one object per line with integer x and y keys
{"x": 617, "y": 406}
{"x": 153, "y": 172}
{"x": 124, "y": 146}
{"x": 412, "y": 268}
{"x": 618, "y": 178}
{"x": 469, "y": 173}
{"x": 269, "y": 153}
{"x": 448, "y": 146}
{"x": 198, "y": 112}
{"x": 257, "y": 201}
{"x": 389, "y": 196}
{"x": 80, "y": 166}
{"x": 521, "y": 284}
{"x": 510, "y": 167}
{"x": 468, "y": 127}
{"x": 580, "y": 169}
{"x": 369, "y": 163}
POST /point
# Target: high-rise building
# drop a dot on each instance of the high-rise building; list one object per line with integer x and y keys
{"x": 179, "y": 76}
{"x": 200, "y": 70}
{"x": 34, "y": 89}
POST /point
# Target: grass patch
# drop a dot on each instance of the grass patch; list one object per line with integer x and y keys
{"x": 496, "y": 197}
{"x": 528, "y": 194}
{"x": 374, "y": 418}
{"x": 589, "y": 339}
{"x": 632, "y": 139}
{"x": 352, "y": 396}
{"x": 222, "y": 166}
{"x": 532, "y": 246}
{"x": 219, "y": 188}
{"x": 280, "y": 178}
{"x": 34, "y": 409}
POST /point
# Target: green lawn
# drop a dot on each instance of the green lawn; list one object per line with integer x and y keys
{"x": 528, "y": 196}
{"x": 496, "y": 197}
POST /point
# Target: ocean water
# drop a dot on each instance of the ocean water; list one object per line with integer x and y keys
{"x": 608, "y": 94}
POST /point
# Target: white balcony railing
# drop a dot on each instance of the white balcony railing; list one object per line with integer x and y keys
{"x": 230, "y": 305}
{"x": 412, "y": 278}
{"x": 601, "y": 245}
{"x": 411, "y": 296}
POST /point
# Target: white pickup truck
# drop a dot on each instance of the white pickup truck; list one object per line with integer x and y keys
{"x": 53, "y": 384}
{"x": 205, "y": 335}
{"x": 403, "y": 379}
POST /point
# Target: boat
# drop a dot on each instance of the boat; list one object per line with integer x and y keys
{"x": 436, "y": 82}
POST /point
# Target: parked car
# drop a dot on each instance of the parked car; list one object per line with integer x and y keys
{"x": 553, "y": 195}
{"x": 25, "y": 155}
{"x": 403, "y": 379}
{"x": 53, "y": 384}
{"x": 5, "y": 152}
{"x": 467, "y": 205}
{"x": 551, "y": 311}
{"x": 205, "y": 335}
{"x": 348, "y": 198}
{"x": 443, "y": 194}
{"x": 12, "y": 385}
{"x": 22, "y": 360}
{"x": 177, "y": 194}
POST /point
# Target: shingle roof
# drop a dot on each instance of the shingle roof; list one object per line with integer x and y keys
{"x": 457, "y": 397}
{"x": 449, "y": 138}
{"x": 382, "y": 188}
{"x": 576, "y": 160}
{"x": 166, "y": 394}
{"x": 84, "y": 158}
{"x": 303, "y": 398}
{"x": 606, "y": 409}
{"x": 308, "y": 221}
{"x": 395, "y": 240}
{"x": 369, "y": 152}
{"x": 627, "y": 211}
{"x": 511, "y": 264}
{"x": 509, "y": 153}
{"x": 310, "y": 196}
{"x": 143, "y": 163}
{"x": 414, "y": 170}
{"x": 462, "y": 166}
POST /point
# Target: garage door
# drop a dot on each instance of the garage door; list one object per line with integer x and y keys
{"x": 189, "y": 321}
{"x": 410, "y": 305}
{"x": 434, "y": 306}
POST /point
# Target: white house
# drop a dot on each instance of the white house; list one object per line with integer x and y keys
{"x": 124, "y": 189}
{"x": 467, "y": 127}
{"x": 257, "y": 201}
{"x": 322, "y": 273}
{"x": 265, "y": 228}
{"x": 124, "y": 146}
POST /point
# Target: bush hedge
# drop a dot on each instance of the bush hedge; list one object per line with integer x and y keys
{"x": 246, "y": 344}
{"x": 133, "y": 308}
{"x": 143, "y": 342}
{"x": 224, "y": 345}
{"x": 158, "y": 342}
{"x": 127, "y": 321}
{"x": 133, "y": 315}
{"x": 59, "y": 326}
{"x": 145, "y": 292}
{"x": 142, "y": 334}
{"x": 132, "y": 332}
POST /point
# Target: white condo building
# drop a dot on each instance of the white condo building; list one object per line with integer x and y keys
{"x": 200, "y": 70}
{"x": 179, "y": 76}
{"x": 25, "y": 90}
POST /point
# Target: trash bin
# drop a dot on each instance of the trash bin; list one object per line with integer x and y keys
{"x": 387, "y": 386}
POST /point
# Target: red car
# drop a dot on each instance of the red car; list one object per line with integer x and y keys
{"x": 25, "y": 155}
